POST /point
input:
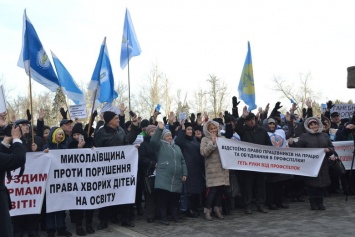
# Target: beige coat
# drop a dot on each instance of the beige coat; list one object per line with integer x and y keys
{"x": 215, "y": 174}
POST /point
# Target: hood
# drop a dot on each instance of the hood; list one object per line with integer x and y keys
{"x": 205, "y": 130}
{"x": 320, "y": 125}
{"x": 51, "y": 135}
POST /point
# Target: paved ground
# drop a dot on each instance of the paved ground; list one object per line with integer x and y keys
{"x": 338, "y": 220}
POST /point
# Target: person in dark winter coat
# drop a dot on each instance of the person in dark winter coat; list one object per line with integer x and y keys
{"x": 146, "y": 167}
{"x": 249, "y": 131}
{"x": 315, "y": 138}
{"x": 80, "y": 139}
{"x": 8, "y": 162}
{"x": 171, "y": 172}
{"x": 195, "y": 166}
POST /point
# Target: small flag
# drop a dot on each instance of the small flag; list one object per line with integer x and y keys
{"x": 102, "y": 78}
{"x": 34, "y": 59}
{"x": 292, "y": 101}
{"x": 130, "y": 45}
{"x": 66, "y": 81}
{"x": 246, "y": 87}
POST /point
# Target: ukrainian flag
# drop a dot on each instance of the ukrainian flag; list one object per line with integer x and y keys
{"x": 246, "y": 87}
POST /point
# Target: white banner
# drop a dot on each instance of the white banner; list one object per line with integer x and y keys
{"x": 344, "y": 110}
{"x": 77, "y": 111}
{"x": 239, "y": 155}
{"x": 92, "y": 178}
{"x": 345, "y": 152}
{"x": 27, "y": 192}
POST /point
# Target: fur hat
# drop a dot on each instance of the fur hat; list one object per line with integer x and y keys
{"x": 108, "y": 116}
{"x": 312, "y": 121}
{"x": 150, "y": 128}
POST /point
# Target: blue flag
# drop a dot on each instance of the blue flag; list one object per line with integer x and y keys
{"x": 66, "y": 81}
{"x": 34, "y": 59}
{"x": 246, "y": 87}
{"x": 130, "y": 46}
{"x": 292, "y": 101}
{"x": 102, "y": 78}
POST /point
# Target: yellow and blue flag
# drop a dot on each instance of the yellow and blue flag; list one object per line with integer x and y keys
{"x": 34, "y": 59}
{"x": 66, "y": 81}
{"x": 102, "y": 78}
{"x": 130, "y": 46}
{"x": 246, "y": 86}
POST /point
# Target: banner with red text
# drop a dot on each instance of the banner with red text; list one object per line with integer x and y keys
{"x": 345, "y": 151}
{"x": 92, "y": 178}
{"x": 239, "y": 155}
{"x": 27, "y": 192}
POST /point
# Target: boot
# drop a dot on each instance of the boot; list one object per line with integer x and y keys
{"x": 174, "y": 215}
{"x": 89, "y": 228}
{"x": 207, "y": 212}
{"x": 217, "y": 211}
{"x": 80, "y": 231}
{"x": 320, "y": 204}
{"x": 312, "y": 202}
{"x": 163, "y": 217}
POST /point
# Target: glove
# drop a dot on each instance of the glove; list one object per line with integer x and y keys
{"x": 164, "y": 119}
{"x": 63, "y": 113}
{"x": 277, "y": 106}
{"x": 192, "y": 118}
{"x": 304, "y": 113}
{"x": 330, "y": 104}
{"x": 94, "y": 115}
{"x": 29, "y": 117}
{"x": 227, "y": 118}
{"x": 234, "y": 101}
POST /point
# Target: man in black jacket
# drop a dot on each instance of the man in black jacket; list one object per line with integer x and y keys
{"x": 249, "y": 131}
{"x": 9, "y": 162}
{"x": 112, "y": 134}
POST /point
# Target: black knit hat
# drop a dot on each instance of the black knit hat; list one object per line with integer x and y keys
{"x": 144, "y": 123}
{"x": 108, "y": 115}
{"x": 78, "y": 128}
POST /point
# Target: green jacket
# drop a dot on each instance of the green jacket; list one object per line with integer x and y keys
{"x": 171, "y": 164}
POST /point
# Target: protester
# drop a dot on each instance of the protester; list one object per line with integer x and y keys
{"x": 11, "y": 160}
{"x": 216, "y": 177}
{"x": 315, "y": 138}
{"x": 171, "y": 172}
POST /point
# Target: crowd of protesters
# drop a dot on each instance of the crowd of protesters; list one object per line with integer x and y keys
{"x": 183, "y": 157}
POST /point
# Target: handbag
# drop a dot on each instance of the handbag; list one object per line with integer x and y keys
{"x": 339, "y": 167}
{"x": 149, "y": 184}
{"x": 183, "y": 201}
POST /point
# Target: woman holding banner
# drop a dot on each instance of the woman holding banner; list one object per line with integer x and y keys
{"x": 315, "y": 138}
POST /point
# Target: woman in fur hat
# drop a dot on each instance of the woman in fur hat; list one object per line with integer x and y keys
{"x": 316, "y": 138}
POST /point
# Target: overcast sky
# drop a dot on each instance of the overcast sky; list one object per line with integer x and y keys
{"x": 189, "y": 40}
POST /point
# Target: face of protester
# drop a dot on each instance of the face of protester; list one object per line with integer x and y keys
{"x": 188, "y": 131}
{"x": 271, "y": 126}
{"x": 67, "y": 128}
{"x": 151, "y": 133}
{"x": 213, "y": 129}
{"x": 336, "y": 119}
{"x": 250, "y": 122}
{"x": 114, "y": 122}
{"x": 168, "y": 137}
{"x": 25, "y": 128}
{"x": 198, "y": 133}
{"x": 313, "y": 126}
{"x": 59, "y": 136}
{"x": 76, "y": 136}
{"x": 46, "y": 133}
{"x": 326, "y": 125}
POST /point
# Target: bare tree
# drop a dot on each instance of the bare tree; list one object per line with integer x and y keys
{"x": 298, "y": 94}
{"x": 199, "y": 103}
{"x": 218, "y": 93}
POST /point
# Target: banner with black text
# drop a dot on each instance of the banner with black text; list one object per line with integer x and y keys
{"x": 345, "y": 152}
{"x": 239, "y": 155}
{"x": 92, "y": 178}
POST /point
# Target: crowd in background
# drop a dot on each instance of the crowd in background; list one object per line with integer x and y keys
{"x": 182, "y": 157}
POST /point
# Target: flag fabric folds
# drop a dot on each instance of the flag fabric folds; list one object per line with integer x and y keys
{"x": 246, "y": 87}
{"x": 33, "y": 58}
{"x": 130, "y": 45}
{"x": 66, "y": 81}
{"x": 102, "y": 78}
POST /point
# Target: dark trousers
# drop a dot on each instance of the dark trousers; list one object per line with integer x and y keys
{"x": 274, "y": 193}
{"x": 214, "y": 196}
{"x": 166, "y": 199}
{"x": 315, "y": 192}
{"x": 55, "y": 221}
{"x": 5, "y": 220}
{"x": 150, "y": 205}
{"x": 78, "y": 216}
{"x": 26, "y": 223}
{"x": 253, "y": 181}
{"x": 105, "y": 213}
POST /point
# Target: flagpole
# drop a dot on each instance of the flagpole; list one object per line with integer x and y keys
{"x": 129, "y": 80}
{"x": 31, "y": 107}
{"x": 92, "y": 111}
